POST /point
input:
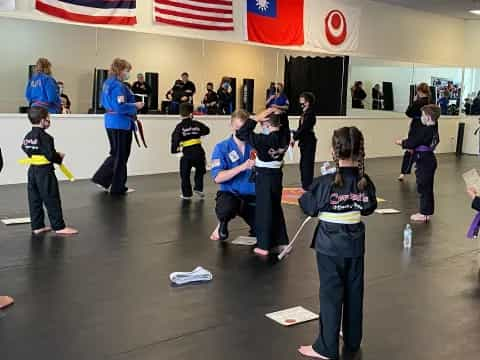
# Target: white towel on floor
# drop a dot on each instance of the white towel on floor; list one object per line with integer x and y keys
{"x": 199, "y": 274}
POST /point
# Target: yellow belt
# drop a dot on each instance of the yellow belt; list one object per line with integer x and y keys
{"x": 191, "y": 142}
{"x": 351, "y": 217}
{"x": 38, "y": 160}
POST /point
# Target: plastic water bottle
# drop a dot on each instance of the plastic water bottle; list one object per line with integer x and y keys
{"x": 407, "y": 237}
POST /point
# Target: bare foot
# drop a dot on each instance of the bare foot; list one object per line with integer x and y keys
{"x": 260, "y": 252}
{"x": 215, "y": 235}
{"x": 401, "y": 177}
{"x": 42, "y": 230}
{"x": 67, "y": 231}
{"x": 420, "y": 218}
{"x": 309, "y": 352}
{"x": 5, "y": 301}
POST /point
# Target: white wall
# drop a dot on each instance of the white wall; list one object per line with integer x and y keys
{"x": 380, "y": 133}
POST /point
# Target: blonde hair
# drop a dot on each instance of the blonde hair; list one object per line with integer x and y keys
{"x": 242, "y": 114}
{"x": 44, "y": 66}
{"x": 119, "y": 65}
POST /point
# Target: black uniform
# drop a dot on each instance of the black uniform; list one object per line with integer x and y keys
{"x": 42, "y": 182}
{"x": 414, "y": 111}
{"x": 377, "y": 98}
{"x": 424, "y": 140}
{"x": 358, "y": 95}
{"x": 142, "y": 89}
{"x": 307, "y": 142}
{"x": 225, "y": 100}
{"x": 340, "y": 249}
{"x": 193, "y": 155}
{"x": 189, "y": 90}
{"x": 269, "y": 219}
{"x": 210, "y": 101}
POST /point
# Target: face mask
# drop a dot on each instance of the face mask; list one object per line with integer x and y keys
{"x": 265, "y": 131}
{"x": 61, "y": 90}
{"x": 126, "y": 75}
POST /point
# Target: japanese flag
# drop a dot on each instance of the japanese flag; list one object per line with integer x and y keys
{"x": 7, "y": 5}
{"x": 333, "y": 26}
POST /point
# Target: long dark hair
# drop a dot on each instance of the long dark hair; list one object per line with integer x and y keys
{"x": 348, "y": 143}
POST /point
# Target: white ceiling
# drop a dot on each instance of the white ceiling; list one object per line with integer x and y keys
{"x": 455, "y": 8}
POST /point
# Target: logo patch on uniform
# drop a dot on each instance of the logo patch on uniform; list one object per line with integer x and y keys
{"x": 216, "y": 163}
{"x": 233, "y": 156}
{"x": 121, "y": 99}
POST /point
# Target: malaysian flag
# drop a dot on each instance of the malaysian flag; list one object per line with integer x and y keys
{"x": 197, "y": 14}
{"x": 111, "y": 12}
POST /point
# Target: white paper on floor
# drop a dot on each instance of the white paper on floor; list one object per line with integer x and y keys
{"x": 292, "y": 316}
{"x": 17, "y": 221}
{"x": 245, "y": 240}
{"x": 387, "y": 211}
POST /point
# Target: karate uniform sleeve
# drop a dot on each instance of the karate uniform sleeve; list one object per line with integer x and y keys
{"x": 317, "y": 198}
{"x": 306, "y": 126}
{"x": 204, "y": 129}
{"x": 245, "y": 133}
{"x": 176, "y": 139}
{"x": 53, "y": 95}
{"x": 218, "y": 161}
{"x": 476, "y": 203}
{"x": 415, "y": 139}
{"x": 28, "y": 94}
{"x": 371, "y": 204}
{"x": 120, "y": 104}
{"x": 48, "y": 149}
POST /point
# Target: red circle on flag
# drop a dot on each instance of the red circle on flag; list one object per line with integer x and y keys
{"x": 336, "y": 27}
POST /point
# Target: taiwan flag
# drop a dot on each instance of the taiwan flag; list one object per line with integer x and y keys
{"x": 275, "y": 22}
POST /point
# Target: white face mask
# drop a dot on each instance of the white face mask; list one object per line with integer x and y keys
{"x": 126, "y": 75}
{"x": 265, "y": 130}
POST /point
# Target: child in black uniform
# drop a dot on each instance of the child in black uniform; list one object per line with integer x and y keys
{"x": 339, "y": 200}
{"x": 186, "y": 138}
{"x": 271, "y": 146}
{"x": 42, "y": 182}
{"x": 423, "y": 141}
{"x": 414, "y": 111}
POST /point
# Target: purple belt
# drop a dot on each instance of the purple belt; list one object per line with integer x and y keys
{"x": 423, "y": 148}
{"x": 474, "y": 227}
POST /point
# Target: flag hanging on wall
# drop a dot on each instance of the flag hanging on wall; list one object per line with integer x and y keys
{"x": 108, "y": 12}
{"x": 333, "y": 26}
{"x": 6, "y": 5}
{"x": 276, "y": 22}
{"x": 196, "y": 14}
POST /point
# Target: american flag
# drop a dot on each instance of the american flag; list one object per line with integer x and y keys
{"x": 111, "y": 12}
{"x": 197, "y": 14}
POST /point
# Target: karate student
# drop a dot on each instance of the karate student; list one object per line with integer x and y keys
{"x": 339, "y": 200}
{"x": 121, "y": 111}
{"x": 270, "y": 146}
{"x": 4, "y": 300}
{"x": 423, "y": 141}
{"x": 232, "y": 170}
{"x": 278, "y": 99}
{"x": 42, "y": 89}
{"x": 414, "y": 111}
{"x": 307, "y": 142}
{"x": 42, "y": 183}
{"x": 186, "y": 139}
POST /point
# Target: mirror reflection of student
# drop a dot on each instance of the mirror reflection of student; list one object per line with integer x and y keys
{"x": 65, "y": 100}
{"x": 140, "y": 87}
{"x": 232, "y": 170}
{"x": 42, "y": 89}
{"x": 377, "y": 97}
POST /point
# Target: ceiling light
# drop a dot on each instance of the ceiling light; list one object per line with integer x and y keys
{"x": 476, "y": 12}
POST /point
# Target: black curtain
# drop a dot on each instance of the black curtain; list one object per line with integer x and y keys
{"x": 326, "y": 77}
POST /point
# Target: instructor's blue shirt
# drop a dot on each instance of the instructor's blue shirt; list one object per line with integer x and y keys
{"x": 226, "y": 155}
{"x": 42, "y": 90}
{"x": 119, "y": 103}
{"x": 281, "y": 100}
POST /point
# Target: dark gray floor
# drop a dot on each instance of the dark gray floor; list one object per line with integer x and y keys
{"x": 105, "y": 294}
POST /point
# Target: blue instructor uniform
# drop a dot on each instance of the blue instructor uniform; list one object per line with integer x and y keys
{"x": 42, "y": 91}
{"x": 120, "y": 115}
{"x": 237, "y": 195}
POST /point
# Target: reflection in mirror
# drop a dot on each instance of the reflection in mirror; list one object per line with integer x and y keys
{"x": 386, "y": 85}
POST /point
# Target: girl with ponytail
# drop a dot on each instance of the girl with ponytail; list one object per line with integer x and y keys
{"x": 339, "y": 200}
